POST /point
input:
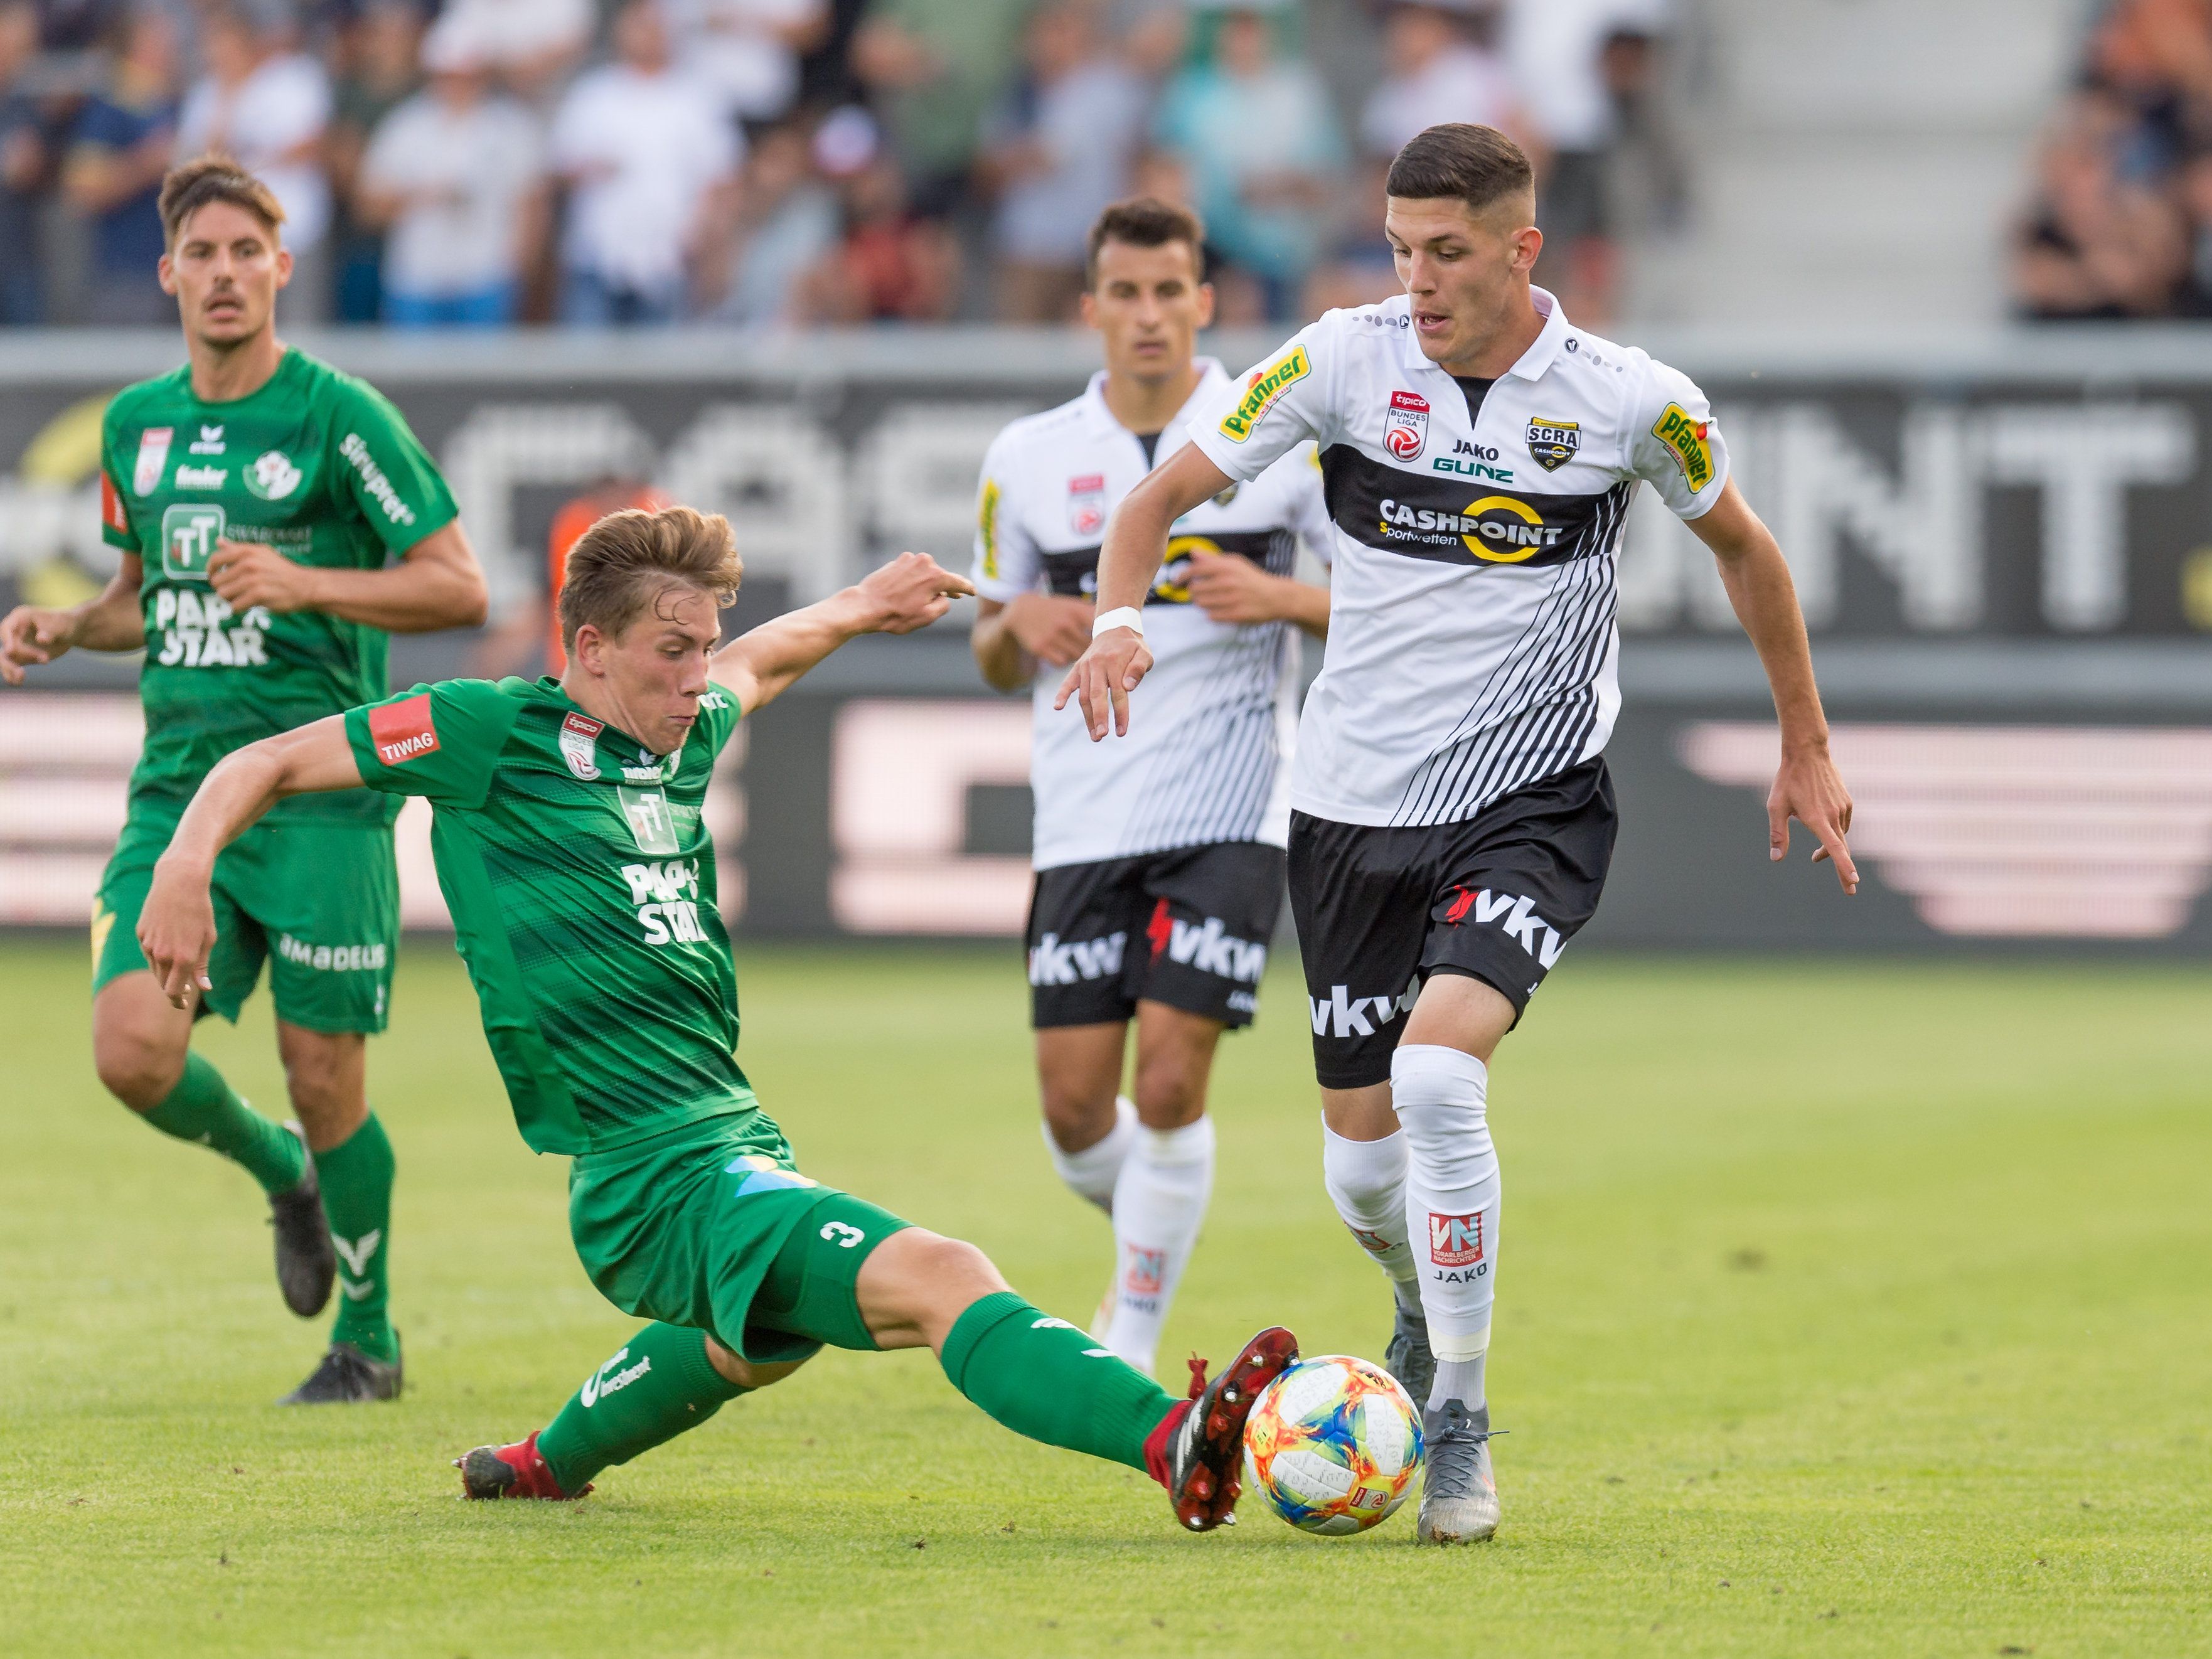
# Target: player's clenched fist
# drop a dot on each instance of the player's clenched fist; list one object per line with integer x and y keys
{"x": 176, "y": 932}
{"x": 1103, "y": 678}
{"x": 911, "y": 591}
{"x": 247, "y": 574}
{"x": 32, "y": 634}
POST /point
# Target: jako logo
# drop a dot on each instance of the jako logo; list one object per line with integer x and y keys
{"x": 1052, "y": 962}
{"x": 1519, "y": 922}
{"x": 1339, "y": 1015}
{"x": 1208, "y": 947}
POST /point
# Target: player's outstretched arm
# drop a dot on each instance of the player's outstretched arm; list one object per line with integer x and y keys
{"x": 436, "y": 584}
{"x": 1136, "y": 541}
{"x": 911, "y": 591}
{"x": 111, "y": 621}
{"x": 176, "y": 925}
{"x": 1806, "y": 786}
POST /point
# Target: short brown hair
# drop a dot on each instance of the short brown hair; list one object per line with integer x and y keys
{"x": 192, "y": 185}
{"x": 626, "y": 561}
{"x": 1144, "y": 222}
{"x": 1480, "y": 166}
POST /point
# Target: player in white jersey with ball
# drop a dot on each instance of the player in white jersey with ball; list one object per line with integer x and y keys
{"x": 1159, "y": 857}
{"x": 1452, "y": 819}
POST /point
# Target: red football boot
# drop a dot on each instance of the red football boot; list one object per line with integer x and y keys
{"x": 1197, "y": 1451}
{"x": 515, "y": 1471}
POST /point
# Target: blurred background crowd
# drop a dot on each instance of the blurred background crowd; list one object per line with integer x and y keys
{"x": 772, "y": 163}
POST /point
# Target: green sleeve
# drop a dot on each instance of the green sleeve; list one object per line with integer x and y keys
{"x": 115, "y": 526}
{"x": 389, "y": 475}
{"x": 719, "y": 716}
{"x": 442, "y": 742}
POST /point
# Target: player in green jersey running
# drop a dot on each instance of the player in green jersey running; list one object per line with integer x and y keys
{"x": 571, "y": 847}
{"x": 256, "y": 495}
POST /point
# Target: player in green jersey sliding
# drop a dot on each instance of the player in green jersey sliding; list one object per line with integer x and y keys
{"x": 571, "y": 848}
{"x": 255, "y": 495}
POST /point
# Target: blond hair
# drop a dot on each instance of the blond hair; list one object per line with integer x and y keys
{"x": 626, "y": 561}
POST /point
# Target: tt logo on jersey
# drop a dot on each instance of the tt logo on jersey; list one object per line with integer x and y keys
{"x": 1553, "y": 443}
{"x": 1260, "y": 392}
{"x": 1515, "y": 915}
{"x": 1406, "y": 429}
{"x": 663, "y": 910}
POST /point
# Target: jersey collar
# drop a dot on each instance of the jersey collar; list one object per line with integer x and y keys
{"x": 1549, "y": 344}
{"x": 1211, "y": 377}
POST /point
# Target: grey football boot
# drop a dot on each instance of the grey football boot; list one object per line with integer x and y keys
{"x": 1408, "y": 1357}
{"x": 307, "y": 1261}
{"x": 1459, "y": 1494}
{"x": 347, "y": 1376}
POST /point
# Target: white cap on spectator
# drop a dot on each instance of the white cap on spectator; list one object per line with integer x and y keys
{"x": 846, "y": 142}
{"x": 454, "y": 45}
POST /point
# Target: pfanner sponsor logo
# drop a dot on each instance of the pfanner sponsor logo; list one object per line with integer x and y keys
{"x": 1056, "y": 961}
{"x": 332, "y": 959}
{"x": 403, "y": 731}
{"x": 1264, "y": 387}
{"x": 374, "y": 481}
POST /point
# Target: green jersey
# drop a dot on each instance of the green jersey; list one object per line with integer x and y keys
{"x": 582, "y": 883}
{"x": 315, "y": 464}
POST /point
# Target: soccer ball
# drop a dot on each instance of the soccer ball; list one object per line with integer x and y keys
{"x": 1333, "y": 1445}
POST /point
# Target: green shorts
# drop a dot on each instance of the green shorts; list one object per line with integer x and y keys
{"x": 710, "y": 1226}
{"x": 318, "y": 901}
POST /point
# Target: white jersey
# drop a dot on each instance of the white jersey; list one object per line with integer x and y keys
{"x": 1472, "y": 648}
{"x": 1213, "y": 723}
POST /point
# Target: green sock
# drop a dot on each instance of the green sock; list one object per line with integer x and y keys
{"x": 356, "y": 1175}
{"x": 203, "y": 1108}
{"x": 1041, "y": 1378}
{"x": 656, "y": 1385}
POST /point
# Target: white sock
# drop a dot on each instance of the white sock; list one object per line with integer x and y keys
{"x": 1452, "y": 1194}
{"x": 1157, "y": 1212}
{"x": 1092, "y": 1172}
{"x": 1366, "y": 1182}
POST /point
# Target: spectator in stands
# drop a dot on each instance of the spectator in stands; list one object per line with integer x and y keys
{"x": 1557, "y": 51}
{"x": 534, "y": 44}
{"x": 1356, "y": 269}
{"x": 458, "y": 175}
{"x": 787, "y": 220}
{"x": 1260, "y": 138}
{"x": 748, "y": 51}
{"x": 892, "y": 265}
{"x": 24, "y": 166}
{"x": 2154, "y": 56}
{"x": 125, "y": 140}
{"x": 2194, "y": 297}
{"x": 2093, "y": 244}
{"x": 1058, "y": 155}
{"x": 1442, "y": 66}
{"x": 652, "y": 165}
{"x": 267, "y": 105}
{"x": 380, "y": 53}
{"x": 935, "y": 65}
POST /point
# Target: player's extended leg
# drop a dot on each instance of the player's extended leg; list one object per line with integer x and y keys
{"x": 1167, "y": 1179}
{"x": 1089, "y": 1125}
{"x": 141, "y": 1049}
{"x": 1439, "y": 1081}
{"x": 1363, "y": 1165}
{"x": 326, "y": 1072}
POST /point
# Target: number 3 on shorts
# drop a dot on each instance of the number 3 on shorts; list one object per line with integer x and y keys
{"x": 843, "y": 1234}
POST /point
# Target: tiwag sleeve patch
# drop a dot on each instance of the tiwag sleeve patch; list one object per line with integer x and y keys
{"x": 403, "y": 731}
{"x": 1689, "y": 442}
{"x": 1262, "y": 391}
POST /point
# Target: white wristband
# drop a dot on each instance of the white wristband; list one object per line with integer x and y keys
{"x": 1124, "y": 616}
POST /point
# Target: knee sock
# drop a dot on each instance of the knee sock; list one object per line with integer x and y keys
{"x": 1366, "y": 1182}
{"x": 1092, "y": 1172}
{"x": 1452, "y": 1195}
{"x": 203, "y": 1108}
{"x": 1158, "y": 1210}
{"x": 658, "y": 1384}
{"x": 1041, "y": 1378}
{"x": 356, "y": 1176}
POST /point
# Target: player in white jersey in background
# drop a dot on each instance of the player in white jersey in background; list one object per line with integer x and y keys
{"x": 1453, "y": 820}
{"x": 1159, "y": 857}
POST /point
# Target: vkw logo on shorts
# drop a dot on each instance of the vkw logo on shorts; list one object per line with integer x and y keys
{"x": 1406, "y": 432}
{"x": 1553, "y": 443}
{"x": 1056, "y": 961}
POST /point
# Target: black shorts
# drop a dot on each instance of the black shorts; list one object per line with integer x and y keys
{"x": 1189, "y": 927}
{"x": 1495, "y": 898}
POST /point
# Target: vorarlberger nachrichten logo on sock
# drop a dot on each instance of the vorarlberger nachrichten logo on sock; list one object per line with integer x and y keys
{"x": 1454, "y": 1241}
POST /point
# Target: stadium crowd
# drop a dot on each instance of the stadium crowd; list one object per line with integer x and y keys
{"x": 767, "y": 163}
{"x": 2118, "y": 222}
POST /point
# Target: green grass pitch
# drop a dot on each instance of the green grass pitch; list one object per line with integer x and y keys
{"x": 1846, "y": 1310}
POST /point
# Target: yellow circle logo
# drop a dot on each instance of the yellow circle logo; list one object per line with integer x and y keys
{"x": 1173, "y": 583}
{"x": 1506, "y": 531}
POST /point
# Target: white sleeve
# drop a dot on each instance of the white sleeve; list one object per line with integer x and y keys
{"x": 1262, "y": 416}
{"x": 1674, "y": 443}
{"x": 1309, "y": 504}
{"x": 390, "y": 159}
{"x": 1007, "y": 564}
